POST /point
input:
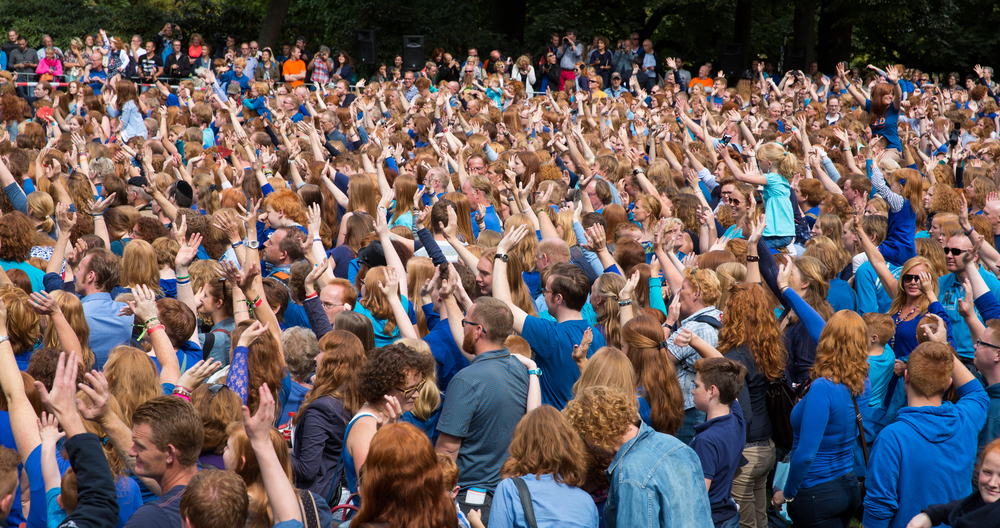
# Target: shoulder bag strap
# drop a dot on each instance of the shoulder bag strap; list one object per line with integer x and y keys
{"x": 861, "y": 430}
{"x": 525, "y": 496}
{"x": 308, "y": 506}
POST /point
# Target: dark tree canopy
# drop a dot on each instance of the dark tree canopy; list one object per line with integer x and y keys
{"x": 933, "y": 35}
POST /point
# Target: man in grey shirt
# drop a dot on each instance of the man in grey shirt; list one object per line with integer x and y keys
{"x": 483, "y": 404}
{"x": 570, "y": 53}
{"x": 23, "y": 60}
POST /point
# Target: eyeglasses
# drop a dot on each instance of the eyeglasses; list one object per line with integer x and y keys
{"x": 909, "y": 277}
{"x": 410, "y": 392}
{"x": 327, "y": 305}
{"x": 980, "y": 342}
{"x": 470, "y": 323}
{"x": 954, "y": 251}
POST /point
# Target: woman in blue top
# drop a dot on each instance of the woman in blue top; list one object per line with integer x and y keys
{"x": 883, "y": 107}
{"x": 130, "y": 122}
{"x": 774, "y": 169}
{"x": 389, "y": 382}
{"x": 821, "y": 472}
{"x": 548, "y": 456}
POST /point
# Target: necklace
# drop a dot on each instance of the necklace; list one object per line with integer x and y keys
{"x": 896, "y": 319}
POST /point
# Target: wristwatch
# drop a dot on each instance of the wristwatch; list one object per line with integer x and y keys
{"x": 501, "y": 256}
{"x": 532, "y": 372}
{"x": 252, "y": 244}
{"x": 637, "y": 171}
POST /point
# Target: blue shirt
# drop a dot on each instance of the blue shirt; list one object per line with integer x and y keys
{"x": 887, "y": 125}
{"x": 552, "y": 344}
{"x": 554, "y": 504}
{"x": 107, "y": 328}
{"x": 778, "y": 207}
{"x": 378, "y": 325}
{"x": 925, "y": 457}
{"x": 719, "y": 444}
{"x": 34, "y": 274}
{"x": 825, "y": 429}
{"x": 950, "y": 292}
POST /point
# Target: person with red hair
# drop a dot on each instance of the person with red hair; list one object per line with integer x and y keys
{"x": 402, "y": 482}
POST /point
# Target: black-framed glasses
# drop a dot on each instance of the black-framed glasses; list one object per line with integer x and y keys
{"x": 954, "y": 251}
{"x": 470, "y": 323}
{"x": 410, "y": 392}
{"x": 980, "y": 342}
{"x": 909, "y": 277}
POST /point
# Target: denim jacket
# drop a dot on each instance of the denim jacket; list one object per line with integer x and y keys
{"x": 656, "y": 481}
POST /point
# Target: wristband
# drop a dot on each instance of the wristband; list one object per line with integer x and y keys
{"x": 179, "y": 390}
{"x": 154, "y": 328}
{"x": 184, "y": 277}
{"x": 753, "y": 258}
{"x": 182, "y": 396}
{"x": 969, "y": 232}
{"x": 627, "y": 302}
{"x": 237, "y": 244}
{"x": 257, "y": 302}
{"x": 313, "y": 294}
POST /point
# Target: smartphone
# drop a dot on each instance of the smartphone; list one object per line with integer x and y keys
{"x": 726, "y": 139}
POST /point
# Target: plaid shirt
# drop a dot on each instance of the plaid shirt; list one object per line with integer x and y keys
{"x": 686, "y": 356}
{"x": 321, "y": 73}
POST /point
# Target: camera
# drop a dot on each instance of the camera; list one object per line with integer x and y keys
{"x": 565, "y": 40}
{"x": 953, "y": 135}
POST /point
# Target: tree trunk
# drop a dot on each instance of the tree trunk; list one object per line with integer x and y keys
{"x": 835, "y": 33}
{"x": 270, "y": 30}
{"x": 508, "y": 18}
{"x": 804, "y": 27}
{"x": 741, "y": 33}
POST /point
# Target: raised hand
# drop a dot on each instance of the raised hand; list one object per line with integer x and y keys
{"x": 511, "y": 239}
{"x": 251, "y": 334}
{"x": 144, "y": 305}
{"x": 98, "y": 207}
{"x": 784, "y": 274}
{"x": 194, "y": 376}
{"x": 188, "y": 250}
{"x": 391, "y": 287}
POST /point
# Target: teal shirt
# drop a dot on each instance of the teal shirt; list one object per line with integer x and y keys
{"x": 34, "y": 274}
{"x": 778, "y": 207}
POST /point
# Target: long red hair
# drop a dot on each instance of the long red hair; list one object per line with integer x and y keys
{"x": 402, "y": 485}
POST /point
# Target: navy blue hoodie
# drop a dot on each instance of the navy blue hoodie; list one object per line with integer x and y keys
{"x": 925, "y": 457}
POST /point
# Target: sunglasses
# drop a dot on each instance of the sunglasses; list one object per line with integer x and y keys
{"x": 410, "y": 392}
{"x": 909, "y": 277}
{"x": 954, "y": 251}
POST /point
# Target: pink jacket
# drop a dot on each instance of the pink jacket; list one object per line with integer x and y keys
{"x": 53, "y": 67}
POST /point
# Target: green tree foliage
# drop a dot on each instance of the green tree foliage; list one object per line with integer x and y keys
{"x": 934, "y": 35}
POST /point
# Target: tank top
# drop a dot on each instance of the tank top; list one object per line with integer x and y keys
{"x": 350, "y": 472}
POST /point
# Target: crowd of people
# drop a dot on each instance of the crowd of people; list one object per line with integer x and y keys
{"x": 583, "y": 288}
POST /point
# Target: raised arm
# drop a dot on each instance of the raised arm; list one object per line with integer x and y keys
{"x": 391, "y": 291}
{"x": 144, "y": 308}
{"x": 281, "y": 495}
{"x": 22, "y": 416}
{"x": 501, "y": 288}
{"x": 876, "y": 259}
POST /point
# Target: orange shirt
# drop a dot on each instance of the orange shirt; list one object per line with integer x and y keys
{"x": 294, "y": 68}
{"x": 707, "y": 82}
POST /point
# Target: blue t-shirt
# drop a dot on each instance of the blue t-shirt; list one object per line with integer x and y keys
{"x": 554, "y": 504}
{"x": 719, "y": 444}
{"x": 886, "y": 126}
{"x": 879, "y": 373}
{"x": 378, "y": 325}
{"x": 552, "y": 344}
{"x": 778, "y": 207}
